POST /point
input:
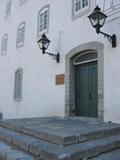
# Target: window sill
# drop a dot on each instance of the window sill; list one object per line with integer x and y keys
{"x": 18, "y": 99}
{"x": 80, "y": 14}
{"x": 39, "y": 34}
{"x": 3, "y": 53}
{"x": 19, "y": 45}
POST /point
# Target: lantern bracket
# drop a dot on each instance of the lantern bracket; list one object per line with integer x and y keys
{"x": 97, "y": 19}
{"x": 43, "y": 43}
{"x": 111, "y": 39}
{"x": 56, "y": 57}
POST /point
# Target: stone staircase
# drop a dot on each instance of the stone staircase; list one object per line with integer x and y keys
{"x": 57, "y": 139}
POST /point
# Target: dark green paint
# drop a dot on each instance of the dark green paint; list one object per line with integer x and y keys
{"x": 86, "y": 90}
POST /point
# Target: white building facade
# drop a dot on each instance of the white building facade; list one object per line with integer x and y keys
{"x": 86, "y": 82}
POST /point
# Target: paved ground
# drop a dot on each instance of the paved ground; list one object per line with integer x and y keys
{"x": 62, "y": 138}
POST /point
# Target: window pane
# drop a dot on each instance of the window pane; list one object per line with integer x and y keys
{"x": 4, "y": 44}
{"x": 86, "y": 57}
{"x": 8, "y": 8}
{"x": 84, "y": 3}
{"x": 43, "y": 20}
{"x": 18, "y": 84}
{"x": 21, "y": 34}
{"x": 78, "y": 5}
{"x": 18, "y": 37}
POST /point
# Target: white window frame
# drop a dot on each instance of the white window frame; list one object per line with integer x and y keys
{"x": 41, "y": 21}
{"x": 20, "y": 35}
{"x": 8, "y": 8}
{"x": 18, "y": 84}
{"x": 84, "y": 61}
{"x": 4, "y": 44}
{"x": 82, "y": 10}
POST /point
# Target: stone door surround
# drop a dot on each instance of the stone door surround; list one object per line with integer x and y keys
{"x": 70, "y": 77}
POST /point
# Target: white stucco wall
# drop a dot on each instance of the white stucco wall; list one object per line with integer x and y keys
{"x": 41, "y": 97}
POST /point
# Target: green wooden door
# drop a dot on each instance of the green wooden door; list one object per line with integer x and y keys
{"x": 86, "y": 90}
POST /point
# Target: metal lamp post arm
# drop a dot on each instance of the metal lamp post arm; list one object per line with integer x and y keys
{"x": 54, "y": 56}
{"x": 106, "y": 35}
{"x": 111, "y": 39}
{"x": 50, "y": 54}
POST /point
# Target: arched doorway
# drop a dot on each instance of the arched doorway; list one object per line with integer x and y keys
{"x": 86, "y": 84}
{"x": 70, "y": 76}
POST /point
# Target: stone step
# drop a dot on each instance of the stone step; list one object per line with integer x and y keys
{"x": 82, "y": 151}
{"x": 50, "y": 151}
{"x": 9, "y": 153}
{"x": 25, "y": 142}
{"x": 113, "y": 155}
{"x": 62, "y": 135}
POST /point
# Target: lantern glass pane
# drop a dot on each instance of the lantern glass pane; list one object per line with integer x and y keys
{"x": 94, "y": 18}
{"x": 102, "y": 16}
{"x": 94, "y": 22}
{"x": 45, "y": 44}
{"x": 97, "y": 18}
{"x": 40, "y": 44}
{"x": 102, "y": 21}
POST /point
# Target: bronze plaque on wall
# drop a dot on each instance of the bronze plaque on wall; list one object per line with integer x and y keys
{"x": 60, "y": 79}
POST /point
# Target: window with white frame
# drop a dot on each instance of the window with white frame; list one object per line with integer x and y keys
{"x": 4, "y": 44}
{"x": 43, "y": 20}
{"x": 18, "y": 84}
{"x": 79, "y": 6}
{"x": 8, "y": 8}
{"x": 20, "y": 35}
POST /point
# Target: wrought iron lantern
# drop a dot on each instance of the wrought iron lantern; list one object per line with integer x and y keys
{"x": 43, "y": 43}
{"x": 97, "y": 19}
